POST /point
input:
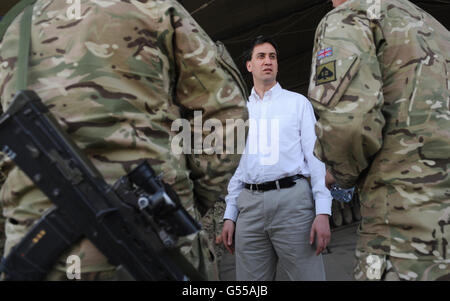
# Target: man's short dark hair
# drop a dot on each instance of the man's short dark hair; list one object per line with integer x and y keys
{"x": 259, "y": 40}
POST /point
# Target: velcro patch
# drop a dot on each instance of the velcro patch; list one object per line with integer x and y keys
{"x": 326, "y": 73}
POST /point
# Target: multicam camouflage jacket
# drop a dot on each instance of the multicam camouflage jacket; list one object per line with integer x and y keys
{"x": 380, "y": 85}
{"x": 116, "y": 77}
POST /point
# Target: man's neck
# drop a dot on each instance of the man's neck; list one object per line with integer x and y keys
{"x": 262, "y": 88}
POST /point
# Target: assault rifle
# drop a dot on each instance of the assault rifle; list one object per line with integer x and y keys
{"x": 135, "y": 223}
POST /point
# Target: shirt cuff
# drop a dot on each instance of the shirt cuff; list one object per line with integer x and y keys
{"x": 231, "y": 212}
{"x": 323, "y": 206}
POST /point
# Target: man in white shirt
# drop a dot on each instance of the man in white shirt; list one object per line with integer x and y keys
{"x": 270, "y": 201}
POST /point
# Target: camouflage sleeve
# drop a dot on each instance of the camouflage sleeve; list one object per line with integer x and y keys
{"x": 3, "y": 159}
{"x": 2, "y": 180}
{"x": 346, "y": 92}
{"x": 209, "y": 83}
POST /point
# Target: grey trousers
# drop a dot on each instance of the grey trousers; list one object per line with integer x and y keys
{"x": 273, "y": 228}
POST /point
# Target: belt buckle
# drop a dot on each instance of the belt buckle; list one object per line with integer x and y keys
{"x": 254, "y": 186}
{"x": 277, "y": 183}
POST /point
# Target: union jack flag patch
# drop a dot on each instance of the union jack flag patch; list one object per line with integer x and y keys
{"x": 324, "y": 53}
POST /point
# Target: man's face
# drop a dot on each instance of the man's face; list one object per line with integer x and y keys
{"x": 336, "y": 3}
{"x": 264, "y": 64}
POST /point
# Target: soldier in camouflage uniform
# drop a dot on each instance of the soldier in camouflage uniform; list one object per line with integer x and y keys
{"x": 380, "y": 84}
{"x": 116, "y": 79}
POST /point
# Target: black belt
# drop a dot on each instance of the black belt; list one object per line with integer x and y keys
{"x": 278, "y": 184}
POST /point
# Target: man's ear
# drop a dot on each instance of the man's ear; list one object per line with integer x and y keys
{"x": 249, "y": 66}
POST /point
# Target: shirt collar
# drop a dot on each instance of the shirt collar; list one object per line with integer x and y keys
{"x": 275, "y": 90}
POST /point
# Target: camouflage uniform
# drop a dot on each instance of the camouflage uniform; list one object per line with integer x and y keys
{"x": 380, "y": 84}
{"x": 213, "y": 223}
{"x": 116, "y": 79}
{"x": 2, "y": 219}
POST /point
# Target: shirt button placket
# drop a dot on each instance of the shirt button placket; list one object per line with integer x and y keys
{"x": 263, "y": 120}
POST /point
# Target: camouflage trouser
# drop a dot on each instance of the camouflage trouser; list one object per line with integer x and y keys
{"x": 200, "y": 253}
{"x": 212, "y": 223}
{"x": 372, "y": 267}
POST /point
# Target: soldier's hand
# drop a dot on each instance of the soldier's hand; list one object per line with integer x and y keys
{"x": 227, "y": 235}
{"x": 329, "y": 180}
{"x": 320, "y": 229}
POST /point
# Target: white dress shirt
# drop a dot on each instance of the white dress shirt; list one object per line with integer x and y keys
{"x": 280, "y": 143}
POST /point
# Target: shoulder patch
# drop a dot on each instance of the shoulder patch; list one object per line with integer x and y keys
{"x": 326, "y": 73}
{"x": 324, "y": 53}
